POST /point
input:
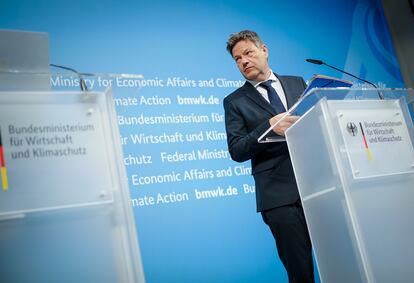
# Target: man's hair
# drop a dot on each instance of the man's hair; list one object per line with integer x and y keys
{"x": 234, "y": 38}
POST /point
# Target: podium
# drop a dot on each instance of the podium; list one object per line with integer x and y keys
{"x": 64, "y": 197}
{"x": 353, "y": 158}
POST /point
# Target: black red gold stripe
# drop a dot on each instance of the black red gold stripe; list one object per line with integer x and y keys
{"x": 4, "y": 182}
{"x": 365, "y": 142}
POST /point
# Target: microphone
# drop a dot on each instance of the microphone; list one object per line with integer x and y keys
{"x": 320, "y": 62}
{"x": 314, "y": 61}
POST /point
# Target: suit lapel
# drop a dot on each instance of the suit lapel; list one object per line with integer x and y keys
{"x": 288, "y": 90}
{"x": 252, "y": 93}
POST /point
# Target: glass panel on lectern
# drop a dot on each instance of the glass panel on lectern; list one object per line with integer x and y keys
{"x": 376, "y": 137}
{"x": 54, "y": 151}
{"x": 19, "y": 63}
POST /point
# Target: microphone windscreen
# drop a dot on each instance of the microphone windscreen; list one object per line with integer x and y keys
{"x": 314, "y": 61}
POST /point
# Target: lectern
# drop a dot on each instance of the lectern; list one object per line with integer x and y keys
{"x": 64, "y": 197}
{"x": 64, "y": 212}
{"x": 353, "y": 158}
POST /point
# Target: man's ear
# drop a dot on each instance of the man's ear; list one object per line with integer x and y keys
{"x": 265, "y": 50}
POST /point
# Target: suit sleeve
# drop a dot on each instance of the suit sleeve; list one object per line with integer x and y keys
{"x": 242, "y": 144}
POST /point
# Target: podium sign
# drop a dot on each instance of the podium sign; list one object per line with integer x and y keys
{"x": 54, "y": 154}
{"x": 376, "y": 138}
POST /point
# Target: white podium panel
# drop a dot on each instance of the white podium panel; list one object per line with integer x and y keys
{"x": 354, "y": 164}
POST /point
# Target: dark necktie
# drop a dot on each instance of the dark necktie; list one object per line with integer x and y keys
{"x": 273, "y": 96}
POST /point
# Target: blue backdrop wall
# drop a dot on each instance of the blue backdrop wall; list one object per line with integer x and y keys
{"x": 194, "y": 207}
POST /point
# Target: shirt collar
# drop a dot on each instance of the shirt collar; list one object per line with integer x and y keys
{"x": 271, "y": 77}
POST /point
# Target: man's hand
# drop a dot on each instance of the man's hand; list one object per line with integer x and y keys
{"x": 283, "y": 125}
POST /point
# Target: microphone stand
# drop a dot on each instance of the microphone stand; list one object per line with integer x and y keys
{"x": 82, "y": 82}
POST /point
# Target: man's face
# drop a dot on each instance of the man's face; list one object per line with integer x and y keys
{"x": 251, "y": 60}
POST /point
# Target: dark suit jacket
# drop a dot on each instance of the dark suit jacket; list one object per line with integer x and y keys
{"x": 247, "y": 116}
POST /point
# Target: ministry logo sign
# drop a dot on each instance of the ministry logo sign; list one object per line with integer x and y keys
{"x": 352, "y": 128}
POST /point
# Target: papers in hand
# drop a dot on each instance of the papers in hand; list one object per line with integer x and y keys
{"x": 305, "y": 102}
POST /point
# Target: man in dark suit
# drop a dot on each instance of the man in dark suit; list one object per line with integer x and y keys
{"x": 249, "y": 112}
